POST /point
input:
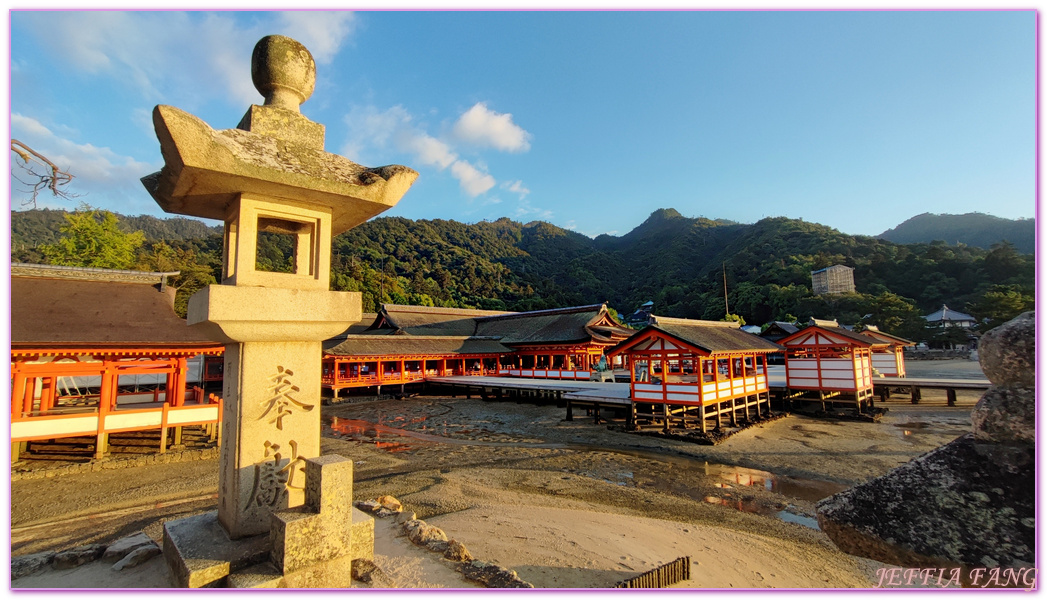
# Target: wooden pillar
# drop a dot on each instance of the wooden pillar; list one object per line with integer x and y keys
{"x": 17, "y": 448}
{"x": 181, "y": 381}
{"x": 47, "y": 393}
{"x": 914, "y": 394}
{"x": 570, "y": 412}
{"x": 106, "y": 400}
{"x": 27, "y": 397}
{"x": 701, "y": 418}
{"x": 17, "y": 395}
{"x": 734, "y": 412}
{"x": 163, "y": 427}
{"x": 950, "y": 394}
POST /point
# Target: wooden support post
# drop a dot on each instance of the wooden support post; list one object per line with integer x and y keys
{"x": 950, "y": 394}
{"x": 596, "y": 414}
{"x": 17, "y": 394}
{"x": 701, "y": 419}
{"x": 163, "y": 428}
{"x": 883, "y": 393}
{"x": 914, "y": 394}
{"x": 734, "y": 413}
{"x": 630, "y": 421}
{"x": 106, "y": 399}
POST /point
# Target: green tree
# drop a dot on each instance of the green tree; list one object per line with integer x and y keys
{"x": 736, "y": 318}
{"x": 93, "y": 238}
{"x": 1000, "y": 304}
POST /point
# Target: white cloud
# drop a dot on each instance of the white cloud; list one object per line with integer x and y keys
{"x": 427, "y": 149}
{"x": 101, "y": 176}
{"x": 371, "y": 129}
{"x": 472, "y": 180}
{"x": 524, "y": 209}
{"x": 517, "y": 187}
{"x": 322, "y": 32}
{"x": 180, "y": 58}
{"x": 487, "y": 129}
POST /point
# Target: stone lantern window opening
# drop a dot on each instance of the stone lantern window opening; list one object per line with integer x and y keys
{"x": 256, "y": 216}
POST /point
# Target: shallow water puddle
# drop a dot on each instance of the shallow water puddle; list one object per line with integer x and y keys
{"x": 802, "y": 489}
{"x": 392, "y": 439}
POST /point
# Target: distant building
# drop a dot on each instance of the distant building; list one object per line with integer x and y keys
{"x": 837, "y": 279}
{"x": 947, "y": 317}
{"x": 778, "y": 330}
{"x": 641, "y": 316}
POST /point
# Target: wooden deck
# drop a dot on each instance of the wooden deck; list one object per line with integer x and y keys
{"x": 594, "y": 393}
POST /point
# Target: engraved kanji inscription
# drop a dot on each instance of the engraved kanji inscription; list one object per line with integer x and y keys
{"x": 280, "y": 401}
{"x": 274, "y": 477}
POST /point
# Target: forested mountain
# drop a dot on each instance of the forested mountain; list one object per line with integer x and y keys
{"x": 678, "y": 262}
{"x": 973, "y": 229}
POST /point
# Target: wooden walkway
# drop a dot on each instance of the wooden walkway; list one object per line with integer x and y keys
{"x": 595, "y": 394}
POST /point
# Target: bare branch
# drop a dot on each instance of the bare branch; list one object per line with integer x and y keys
{"x": 43, "y": 173}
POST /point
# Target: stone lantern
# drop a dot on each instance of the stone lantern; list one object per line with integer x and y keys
{"x": 270, "y": 175}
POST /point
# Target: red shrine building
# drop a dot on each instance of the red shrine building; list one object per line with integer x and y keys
{"x": 889, "y": 360}
{"x": 685, "y": 372}
{"x": 96, "y": 352}
{"x": 830, "y": 362}
{"x": 406, "y": 344}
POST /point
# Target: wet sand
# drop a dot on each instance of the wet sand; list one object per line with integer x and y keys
{"x": 566, "y": 504}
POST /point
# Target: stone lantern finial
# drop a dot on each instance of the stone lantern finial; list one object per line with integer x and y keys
{"x": 283, "y": 71}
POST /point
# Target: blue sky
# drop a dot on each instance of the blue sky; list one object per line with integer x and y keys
{"x": 589, "y": 120}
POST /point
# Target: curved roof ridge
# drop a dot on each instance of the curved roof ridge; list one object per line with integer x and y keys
{"x": 443, "y": 310}
{"x": 548, "y": 311}
{"x": 658, "y": 320}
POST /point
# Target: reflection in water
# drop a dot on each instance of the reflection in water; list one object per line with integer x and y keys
{"x": 685, "y": 470}
{"x": 802, "y": 489}
{"x": 366, "y": 431}
{"x": 756, "y": 508}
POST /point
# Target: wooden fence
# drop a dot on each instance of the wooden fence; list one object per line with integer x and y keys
{"x": 659, "y": 577}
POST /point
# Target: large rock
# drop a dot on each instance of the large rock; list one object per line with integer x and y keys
{"x": 390, "y": 503}
{"x": 366, "y": 571}
{"x": 1008, "y": 353}
{"x": 491, "y": 575}
{"x": 968, "y": 503}
{"x": 457, "y": 552}
{"x": 124, "y": 546}
{"x": 424, "y": 534}
{"x": 30, "y": 563}
{"x": 1006, "y": 415}
{"x": 137, "y": 556}
{"x": 80, "y": 555}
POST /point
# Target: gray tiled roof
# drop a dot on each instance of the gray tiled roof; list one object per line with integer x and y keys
{"x": 410, "y": 345}
{"x": 434, "y": 320}
{"x": 947, "y": 314}
{"x": 561, "y": 325}
{"x": 873, "y": 332}
{"x": 59, "y": 312}
{"x": 712, "y": 336}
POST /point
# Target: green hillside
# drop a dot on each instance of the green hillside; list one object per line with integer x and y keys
{"x": 972, "y": 229}
{"x": 678, "y": 262}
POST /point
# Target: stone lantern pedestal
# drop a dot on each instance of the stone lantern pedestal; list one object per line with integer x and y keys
{"x": 285, "y": 514}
